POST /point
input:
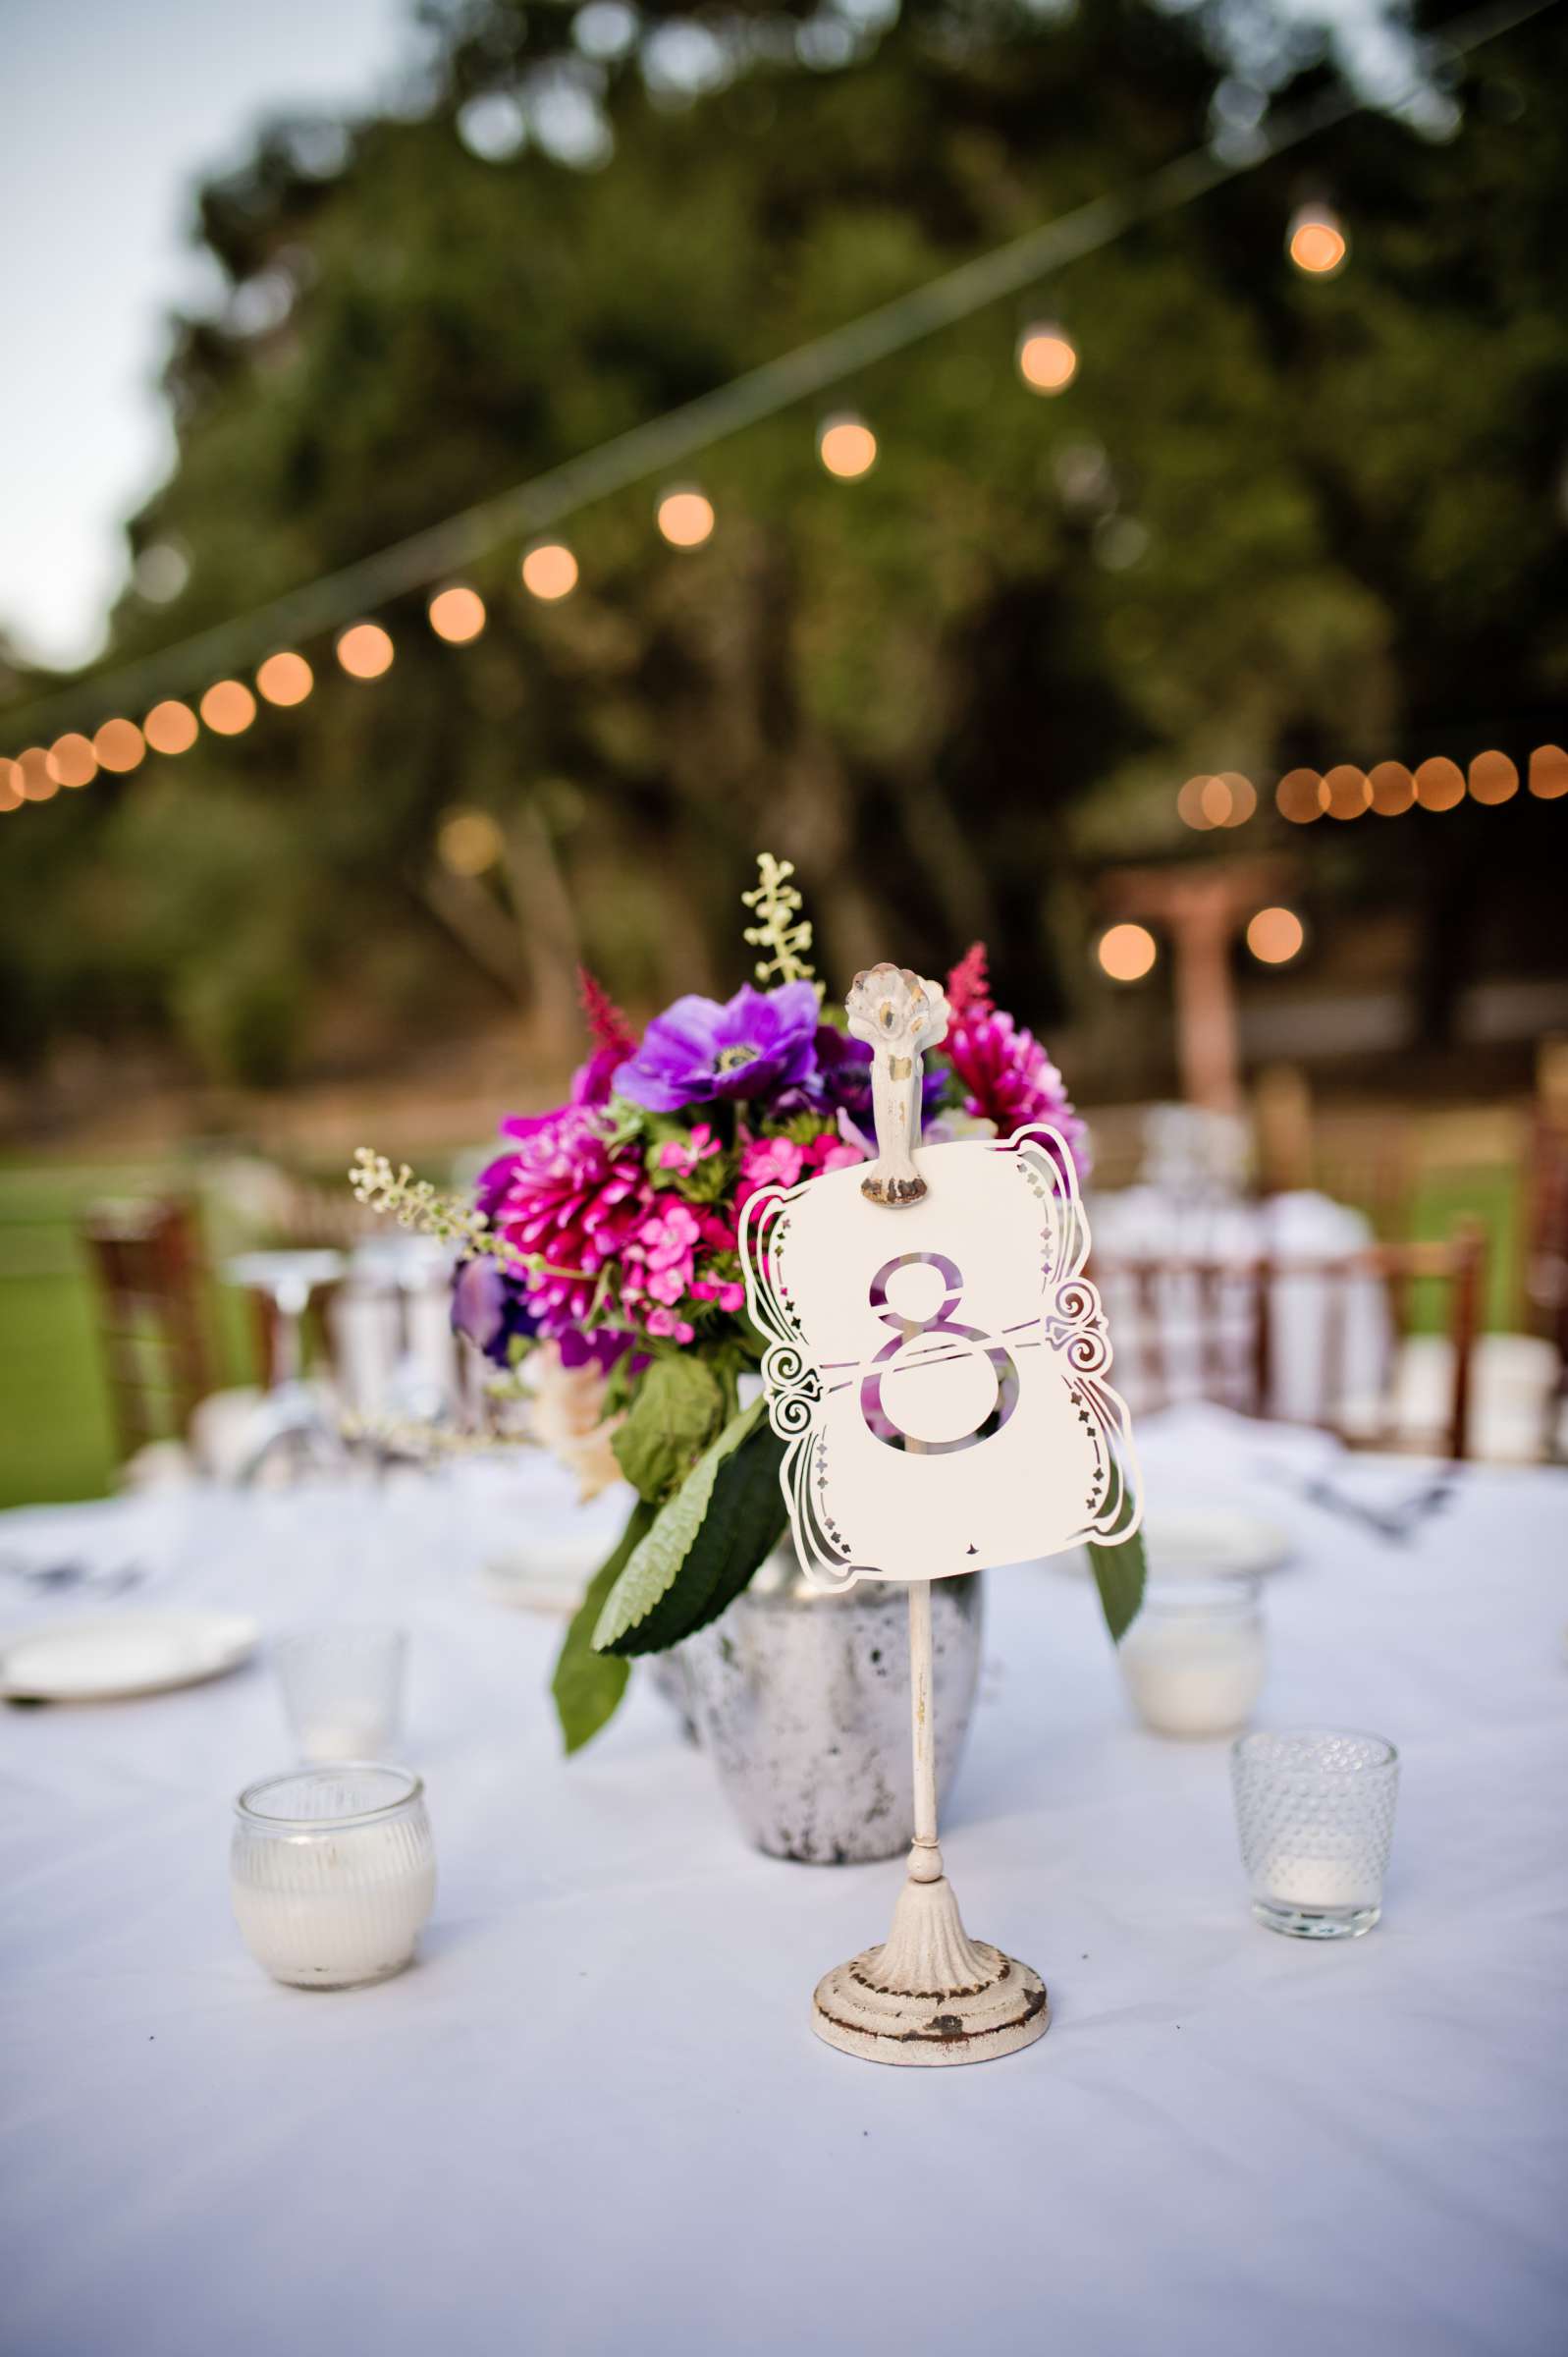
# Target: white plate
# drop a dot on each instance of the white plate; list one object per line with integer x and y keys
{"x": 119, "y": 1654}
{"x": 1182, "y": 1540}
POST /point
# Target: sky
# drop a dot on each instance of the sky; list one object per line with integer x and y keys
{"x": 113, "y": 110}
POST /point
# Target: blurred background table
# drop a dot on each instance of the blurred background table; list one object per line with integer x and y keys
{"x": 594, "y": 2116}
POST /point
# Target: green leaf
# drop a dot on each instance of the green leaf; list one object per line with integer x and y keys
{"x": 587, "y": 1686}
{"x": 682, "y": 1548}
{"x": 1119, "y": 1567}
{"x": 675, "y": 1411}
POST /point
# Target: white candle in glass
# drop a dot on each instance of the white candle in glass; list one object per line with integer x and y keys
{"x": 333, "y": 1873}
{"x": 343, "y": 1690}
{"x": 1193, "y": 1660}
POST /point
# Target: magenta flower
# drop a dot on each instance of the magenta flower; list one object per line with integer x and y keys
{"x": 562, "y": 1195}
{"x": 1008, "y": 1078}
{"x": 757, "y": 1044}
{"x": 683, "y": 1154}
{"x": 770, "y": 1162}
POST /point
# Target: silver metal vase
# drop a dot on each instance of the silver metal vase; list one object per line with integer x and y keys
{"x": 801, "y": 1699}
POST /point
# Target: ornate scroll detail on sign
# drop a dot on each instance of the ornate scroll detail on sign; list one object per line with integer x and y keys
{"x": 945, "y": 1406}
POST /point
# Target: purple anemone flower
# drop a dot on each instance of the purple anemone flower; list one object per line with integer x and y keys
{"x": 489, "y": 1307}
{"x": 761, "y": 1042}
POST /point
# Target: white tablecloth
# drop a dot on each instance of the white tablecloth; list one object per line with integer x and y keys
{"x": 593, "y": 2118}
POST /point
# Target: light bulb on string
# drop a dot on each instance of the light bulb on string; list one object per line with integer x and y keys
{"x": 1275, "y": 936}
{"x": 285, "y": 678}
{"x": 364, "y": 649}
{"x": 35, "y": 782}
{"x": 170, "y": 728}
{"x": 1316, "y": 241}
{"x": 228, "y": 707}
{"x": 73, "y": 761}
{"x": 549, "y": 571}
{"x": 847, "y": 446}
{"x": 119, "y": 746}
{"x": 1047, "y": 358}
{"x": 1126, "y": 952}
{"x": 685, "y": 517}
{"x": 456, "y": 614}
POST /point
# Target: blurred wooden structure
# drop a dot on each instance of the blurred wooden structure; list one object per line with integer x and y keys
{"x": 1202, "y": 907}
{"x": 149, "y": 1277}
{"x": 1231, "y": 1349}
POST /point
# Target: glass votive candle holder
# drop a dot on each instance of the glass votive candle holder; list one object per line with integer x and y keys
{"x": 1193, "y": 1660}
{"x": 1315, "y": 1810}
{"x": 343, "y": 1691}
{"x": 333, "y": 1873}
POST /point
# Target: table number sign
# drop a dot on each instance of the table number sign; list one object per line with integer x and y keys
{"x": 941, "y": 1382}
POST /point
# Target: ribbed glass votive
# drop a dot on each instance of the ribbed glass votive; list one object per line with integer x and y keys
{"x": 333, "y": 1873}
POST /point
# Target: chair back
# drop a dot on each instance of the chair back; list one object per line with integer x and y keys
{"x": 1312, "y": 1339}
{"x": 149, "y": 1270}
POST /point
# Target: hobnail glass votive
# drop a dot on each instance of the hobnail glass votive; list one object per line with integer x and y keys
{"x": 1193, "y": 1660}
{"x": 1315, "y": 1810}
{"x": 333, "y": 1873}
{"x": 343, "y": 1690}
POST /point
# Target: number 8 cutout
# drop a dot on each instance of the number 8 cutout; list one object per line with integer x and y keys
{"x": 944, "y": 1408}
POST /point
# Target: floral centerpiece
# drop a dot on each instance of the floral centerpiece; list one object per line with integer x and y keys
{"x": 602, "y": 1246}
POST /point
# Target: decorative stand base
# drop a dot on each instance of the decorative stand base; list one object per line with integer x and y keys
{"x": 930, "y": 1994}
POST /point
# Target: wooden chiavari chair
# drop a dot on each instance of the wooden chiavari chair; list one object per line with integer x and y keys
{"x": 1186, "y": 1328}
{"x": 149, "y": 1270}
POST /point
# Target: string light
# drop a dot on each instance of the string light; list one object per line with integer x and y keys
{"x": 1439, "y": 785}
{"x": 1048, "y": 359}
{"x": 36, "y": 784}
{"x": 170, "y": 728}
{"x": 685, "y": 517}
{"x": 228, "y": 707}
{"x": 1549, "y": 772}
{"x": 456, "y": 614}
{"x": 1300, "y": 797}
{"x": 549, "y": 570}
{"x": 1126, "y": 951}
{"x": 1346, "y": 793}
{"x": 364, "y": 650}
{"x": 1316, "y": 242}
{"x": 1392, "y": 788}
{"x": 12, "y": 796}
{"x": 119, "y": 746}
{"x": 1190, "y": 804}
{"x": 1275, "y": 936}
{"x": 73, "y": 761}
{"x": 1493, "y": 777}
{"x": 847, "y": 446}
{"x": 285, "y": 677}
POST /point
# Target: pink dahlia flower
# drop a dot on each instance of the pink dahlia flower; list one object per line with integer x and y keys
{"x": 1008, "y": 1078}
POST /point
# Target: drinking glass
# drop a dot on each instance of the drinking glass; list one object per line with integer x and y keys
{"x": 333, "y": 1873}
{"x": 343, "y": 1690}
{"x": 1315, "y": 1810}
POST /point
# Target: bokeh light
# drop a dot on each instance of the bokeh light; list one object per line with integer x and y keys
{"x": 847, "y": 446}
{"x": 1228, "y": 799}
{"x": 1048, "y": 359}
{"x": 456, "y": 614}
{"x": 1126, "y": 951}
{"x": 36, "y": 782}
{"x": 1190, "y": 804}
{"x": 1549, "y": 772}
{"x": 228, "y": 707}
{"x": 12, "y": 796}
{"x": 285, "y": 677}
{"x": 364, "y": 650}
{"x": 1346, "y": 791}
{"x": 686, "y": 517}
{"x": 1393, "y": 788}
{"x": 119, "y": 744}
{"x": 470, "y": 842}
{"x": 1316, "y": 242}
{"x": 170, "y": 728}
{"x": 1440, "y": 783}
{"x": 1493, "y": 777}
{"x": 549, "y": 570}
{"x": 1300, "y": 797}
{"x": 1275, "y": 936}
{"x": 72, "y": 760}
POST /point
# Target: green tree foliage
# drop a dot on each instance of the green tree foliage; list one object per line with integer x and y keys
{"x": 1272, "y": 519}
